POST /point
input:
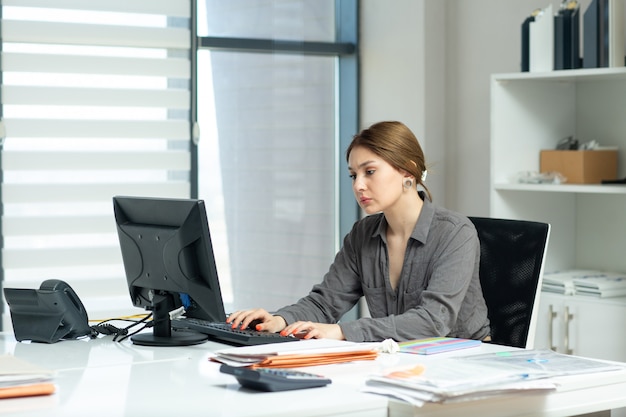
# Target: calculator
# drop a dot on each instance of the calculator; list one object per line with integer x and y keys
{"x": 272, "y": 379}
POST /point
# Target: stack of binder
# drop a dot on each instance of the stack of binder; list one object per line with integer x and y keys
{"x": 552, "y": 41}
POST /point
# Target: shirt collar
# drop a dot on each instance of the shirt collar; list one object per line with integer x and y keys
{"x": 420, "y": 231}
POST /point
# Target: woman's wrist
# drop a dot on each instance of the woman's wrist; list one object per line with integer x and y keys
{"x": 281, "y": 323}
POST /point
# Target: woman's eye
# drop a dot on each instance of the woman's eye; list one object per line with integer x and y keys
{"x": 370, "y": 171}
{"x": 353, "y": 176}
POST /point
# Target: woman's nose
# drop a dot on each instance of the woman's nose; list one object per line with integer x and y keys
{"x": 358, "y": 184}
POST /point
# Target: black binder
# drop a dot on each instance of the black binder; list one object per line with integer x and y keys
{"x": 596, "y": 35}
{"x": 526, "y": 43}
{"x": 567, "y": 39}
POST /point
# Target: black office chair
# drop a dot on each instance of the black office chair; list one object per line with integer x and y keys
{"x": 511, "y": 269}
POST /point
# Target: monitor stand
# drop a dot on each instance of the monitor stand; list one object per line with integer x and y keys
{"x": 162, "y": 332}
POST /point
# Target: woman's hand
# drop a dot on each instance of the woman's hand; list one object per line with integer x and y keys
{"x": 310, "y": 330}
{"x": 265, "y": 322}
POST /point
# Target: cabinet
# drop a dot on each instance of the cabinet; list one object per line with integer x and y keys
{"x": 581, "y": 325}
{"x": 531, "y": 112}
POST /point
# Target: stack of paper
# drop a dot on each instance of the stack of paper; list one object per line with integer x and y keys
{"x": 19, "y": 378}
{"x": 470, "y": 377}
{"x": 601, "y": 284}
{"x": 292, "y": 355}
{"x": 585, "y": 282}
{"x": 561, "y": 282}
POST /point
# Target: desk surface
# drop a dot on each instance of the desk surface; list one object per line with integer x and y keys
{"x": 101, "y": 377}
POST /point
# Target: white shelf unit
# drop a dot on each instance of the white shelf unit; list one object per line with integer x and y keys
{"x": 533, "y": 111}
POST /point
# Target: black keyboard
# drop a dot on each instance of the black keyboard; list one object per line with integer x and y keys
{"x": 223, "y": 332}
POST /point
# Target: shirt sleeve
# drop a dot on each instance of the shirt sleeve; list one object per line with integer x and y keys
{"x": 338, "y": 292}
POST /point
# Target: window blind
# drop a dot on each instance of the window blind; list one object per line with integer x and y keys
{"x": 95, "y": 103}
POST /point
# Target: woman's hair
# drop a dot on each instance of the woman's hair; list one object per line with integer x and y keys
{"x": 397, "y": 145}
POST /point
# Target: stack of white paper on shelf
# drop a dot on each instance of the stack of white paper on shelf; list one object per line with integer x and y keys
{"x": 601, "y": 284}
{"x": 585, "y": 282}
{"x": 560, "y": 282}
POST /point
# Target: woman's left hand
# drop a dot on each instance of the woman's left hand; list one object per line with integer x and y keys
{"x": 311, "y": 330}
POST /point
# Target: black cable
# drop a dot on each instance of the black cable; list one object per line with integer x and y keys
{"x": 146, "y": 326}
{"x": 107, "y": 329}
{"x": 127, "y": 328}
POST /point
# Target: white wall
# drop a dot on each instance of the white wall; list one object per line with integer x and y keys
{"x": 397, "y": 82}
{"x": 428, "y": 63}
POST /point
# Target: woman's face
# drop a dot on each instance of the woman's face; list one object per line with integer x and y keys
{"x": 376, "y": 184}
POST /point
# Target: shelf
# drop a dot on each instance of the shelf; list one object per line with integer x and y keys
{"x": 618, "y": 301}
{"x": 564, "y": 188}
{"x": 531, "y": 112}
{"x": 583, "y": 74}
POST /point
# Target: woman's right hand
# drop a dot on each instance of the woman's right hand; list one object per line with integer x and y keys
{"x": 265, "y": 322}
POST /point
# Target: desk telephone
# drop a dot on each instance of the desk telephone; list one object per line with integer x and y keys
{"x": 48, "y": 314}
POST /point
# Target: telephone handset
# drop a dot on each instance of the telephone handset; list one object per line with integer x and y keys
{"x": 49, "y": 314}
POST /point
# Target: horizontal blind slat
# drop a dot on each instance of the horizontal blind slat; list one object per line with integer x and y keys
{"x": 95, "y": 35}
{"x": 150, "y": 129}
{"x": 178, "y": 8}
{"x": 72, "y": 64}
{"x": 64, "y": 257}
{"x": 29, "y": 95}
{"x": 162, "y": 160}
{"x": 38, "y": 226}
{"x": 59, "y": 193}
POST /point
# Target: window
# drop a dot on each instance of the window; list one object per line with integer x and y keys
{"x": 271, "y": 117}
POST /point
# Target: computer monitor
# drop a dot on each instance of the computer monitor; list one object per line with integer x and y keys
{"x": 169, "y": 263}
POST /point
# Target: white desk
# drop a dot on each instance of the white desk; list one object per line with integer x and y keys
{"x": 102, "y": 378}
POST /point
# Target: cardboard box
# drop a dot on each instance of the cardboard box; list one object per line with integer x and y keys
{"x": 580, "y": 167}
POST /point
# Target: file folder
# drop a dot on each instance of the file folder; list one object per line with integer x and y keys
{"x": 616, "y": 33}
{"x": 591, "y": 35}
{"x": 526, "y": 43}
{"x": 542, "y": 41}
{"x": 603, "y": 34}
{"x": 567, "y": 39}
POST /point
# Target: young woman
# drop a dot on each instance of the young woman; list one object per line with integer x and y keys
{"x": 415, "y": 263}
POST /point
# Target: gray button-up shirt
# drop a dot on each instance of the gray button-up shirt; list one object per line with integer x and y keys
{"x": 438, "y": 294}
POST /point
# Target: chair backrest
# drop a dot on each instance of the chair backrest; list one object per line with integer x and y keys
{"x": 512, "y": 254}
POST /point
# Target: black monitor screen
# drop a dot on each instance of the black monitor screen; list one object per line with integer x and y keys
{"x": 169, "y": 263}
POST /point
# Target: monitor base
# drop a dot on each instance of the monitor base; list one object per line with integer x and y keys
{"x": 178, "y": 338}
